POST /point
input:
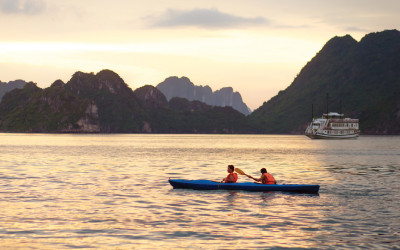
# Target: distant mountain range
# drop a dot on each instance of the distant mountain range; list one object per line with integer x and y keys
{"x": 104, "y": 103}
{"x": 361, "y": 78}
{"x": 7, "y": 87}
{"x": 184, "y": 88}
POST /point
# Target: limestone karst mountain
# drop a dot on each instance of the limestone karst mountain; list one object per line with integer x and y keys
{"x": 184, "y": 88}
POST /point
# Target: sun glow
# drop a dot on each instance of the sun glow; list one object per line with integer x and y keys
{"x": 205, "y": 60}
{"x": 234, "y": 47}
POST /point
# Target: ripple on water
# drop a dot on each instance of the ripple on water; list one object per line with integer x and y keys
{"x": 106, "y": 192}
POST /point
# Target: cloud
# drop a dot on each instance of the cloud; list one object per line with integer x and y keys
{"x": 27, "y": 7}
{"x": 205, "y": 18}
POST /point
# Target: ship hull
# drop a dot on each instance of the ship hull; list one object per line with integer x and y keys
{"x": 332, "y": 137}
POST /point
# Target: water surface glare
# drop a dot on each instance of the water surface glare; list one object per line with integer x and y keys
{"x": 112, "y": 192}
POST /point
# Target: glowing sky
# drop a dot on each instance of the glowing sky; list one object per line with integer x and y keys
{"x": 255, "y": 46}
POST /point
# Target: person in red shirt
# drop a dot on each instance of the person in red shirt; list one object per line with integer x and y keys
{"x": 266, "y": 178}
{"x": 232, "y": 177}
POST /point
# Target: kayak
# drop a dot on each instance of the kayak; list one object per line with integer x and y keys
{"x": 247, "y": 186}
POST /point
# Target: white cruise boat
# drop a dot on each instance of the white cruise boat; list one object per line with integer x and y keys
{"x": 333, "y": 126}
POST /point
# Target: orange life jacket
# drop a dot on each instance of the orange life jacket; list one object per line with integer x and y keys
{"x": 235, "y": 177}
{"x": 269, "y": 180}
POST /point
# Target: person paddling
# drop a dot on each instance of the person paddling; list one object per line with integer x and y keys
{"x": 266, "y": 178}
{"x": 232, "y": 177}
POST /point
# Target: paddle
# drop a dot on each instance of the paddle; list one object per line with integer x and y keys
{"x": 239, "y": 171}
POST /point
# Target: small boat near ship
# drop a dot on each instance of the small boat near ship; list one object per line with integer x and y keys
{"x": 333, "y": 126}
{"x": 246, "y": 186}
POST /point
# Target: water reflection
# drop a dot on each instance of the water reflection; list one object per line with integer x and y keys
{"x": 112, "y": 191}
{"x": 231, "y": 197}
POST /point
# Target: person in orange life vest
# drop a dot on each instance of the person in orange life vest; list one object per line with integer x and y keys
{"x": 266, "y": 178}
{"x": 232, "y": 177}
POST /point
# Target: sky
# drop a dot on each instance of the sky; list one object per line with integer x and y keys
{"x": 257, "y": 47}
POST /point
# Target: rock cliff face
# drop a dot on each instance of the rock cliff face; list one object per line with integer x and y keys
{"x": 117, "y": 108}
{"x": 184, "y": 88}
{"x": 88, "y": 123}
{"x": 88, "y": 103}
{"x": 32, "y": 109}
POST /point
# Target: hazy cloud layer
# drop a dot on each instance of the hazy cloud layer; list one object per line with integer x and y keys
{"x": 28, "y": 7}
{"x": 205, "y": 18}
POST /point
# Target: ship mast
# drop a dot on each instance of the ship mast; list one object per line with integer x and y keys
{"x": 312, "y": 111}
{"x": 327, "y": 103}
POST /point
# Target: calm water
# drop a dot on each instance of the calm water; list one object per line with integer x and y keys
{"x": 112, "y": 192}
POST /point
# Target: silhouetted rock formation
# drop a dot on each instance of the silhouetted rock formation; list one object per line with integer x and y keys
{"x": 184, "y": 88}
{"x": 92, "y": 103}
{"x": 361, "y": 77}
{"x": 7, "y": 87}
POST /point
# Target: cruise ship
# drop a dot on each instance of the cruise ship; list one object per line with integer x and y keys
{"x": 333, "y": 126}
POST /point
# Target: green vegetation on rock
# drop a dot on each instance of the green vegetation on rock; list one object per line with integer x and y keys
{"x": 361, "y": 77}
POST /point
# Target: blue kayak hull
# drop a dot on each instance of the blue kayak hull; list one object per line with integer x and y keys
{"x": 248, "y": 186}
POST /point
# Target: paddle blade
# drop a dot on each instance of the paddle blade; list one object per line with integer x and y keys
{"x": 239, "y": 171}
